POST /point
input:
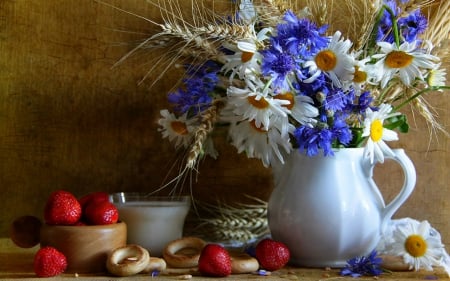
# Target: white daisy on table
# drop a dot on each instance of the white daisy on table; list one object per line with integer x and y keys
{"x": 266, "y": 145}
{"x": 254, "y": 103}
{"x": 375, "y": 147}
{"x": 335, "y": 61}
{"x": 419, "y": 246}
{"x": 177, "y": 129}
{"x": 405, "y": 62}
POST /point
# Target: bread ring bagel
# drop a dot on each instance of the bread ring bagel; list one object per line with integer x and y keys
{"x": 127, "y": 260}
{"x": 155, "y": 264}
{"x": 243, "y": 263}
{"x": 183, "y": 252}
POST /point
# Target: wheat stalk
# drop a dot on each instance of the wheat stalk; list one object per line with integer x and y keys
{"x": 238, "y": 223}
{"x": 412, "y": 5}
{"x": 208, "y": 119}
{"x": 439, "y": 24}
{"x": 424, "y": 110}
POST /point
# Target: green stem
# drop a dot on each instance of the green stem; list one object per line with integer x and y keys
{"x": 268, "y": 84}
{"x": 373, "y": 35}
{"x": 434, "y": 88}
{"x": 394, "y": 25}
{"x": 380, "y": 98}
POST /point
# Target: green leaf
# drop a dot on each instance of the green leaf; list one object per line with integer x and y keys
{"x": 357, "y": 139}
{"x": 398, "y": 122}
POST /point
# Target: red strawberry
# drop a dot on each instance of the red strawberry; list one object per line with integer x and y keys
{"x": 101, "y": 213}
{"x": 272, "y": 255}
{"x": 96, "y": 197}
{"x": 49, "y": 262}
{"x": 62, "y": 208}
{"x": 214, "y": 261}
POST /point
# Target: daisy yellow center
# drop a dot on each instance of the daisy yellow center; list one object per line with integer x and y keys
{"x": 416, "y": 246}
{"x": 179, "y": 127}
{"x": 246, "y": 56}
{"x": 258, "y": 129}
{"x": 398, "y": 59}
{"x": 326, "y": 60}
{"x": 376, "y": 130}
{"x": 258, "y": 103}
{"x": 359, "y": 76}
{"x": 287, "y": 96}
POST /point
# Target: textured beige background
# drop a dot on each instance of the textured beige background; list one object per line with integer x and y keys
{"x": 70, "y": 121}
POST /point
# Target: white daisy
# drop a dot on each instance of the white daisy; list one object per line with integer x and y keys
{"x": 178, "y": 130}
{"x": 373, "y": 129}
{"x": 418, "y": 244}
{"x": 436, "y": 77}
{"x": 254, "y": 103}
{"x": 364, "y": 73}
{"x": 266, "y": 145}
{"x": 244, "y": 61}
{"x": 335, "y": 61}
{"x": 301, "y": 107}
{"x": 405, "y": 61}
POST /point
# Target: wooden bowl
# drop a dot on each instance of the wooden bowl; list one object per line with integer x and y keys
{"x": 85, "y": 247}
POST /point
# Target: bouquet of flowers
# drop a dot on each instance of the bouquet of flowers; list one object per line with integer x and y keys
{"x": 283, "y": 80}
{"x": 283, "y": 77}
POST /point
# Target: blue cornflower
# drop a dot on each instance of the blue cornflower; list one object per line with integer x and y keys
{"x": 412, "y": 25}
{"x": 194, "y": 95}
{"x": 364, "y": 102}
{"x": 336, "y": 99}
{"x": 192, "y": 98}
{"x": 340, "y": 130}
{"x": 385, "y": 26}
{"x": 363, "y": 266}
{"x": 309, "y": 89}
{"x": 301, "y": 37}
{"x": 278, "y": 64}
{"x": 312, "y": 140}
{"x": 207, "y": 72}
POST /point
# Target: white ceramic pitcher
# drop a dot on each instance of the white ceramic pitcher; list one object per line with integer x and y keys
{"x": 328, "y": 209}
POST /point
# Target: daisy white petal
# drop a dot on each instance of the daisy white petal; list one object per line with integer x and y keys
{"x": 335, "y": 61}
{"x": 253, "y": 103}
{"x": 176, "y": 129}
{"x": 259, "y": 143}
{"x": 405, "y": 62}
{"x": 376, "y": 134}
{"x": 436, "y": 77}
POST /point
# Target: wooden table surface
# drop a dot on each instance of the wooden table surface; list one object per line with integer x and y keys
{"x": 17, "y": 263}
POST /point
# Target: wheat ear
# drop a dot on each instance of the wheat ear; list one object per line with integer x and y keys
{"x": 439, "y": 24}
{"x": 208, "y": 119}
{"x": 424, "y": 110}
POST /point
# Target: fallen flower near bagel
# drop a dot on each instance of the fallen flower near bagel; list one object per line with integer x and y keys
{"x": 417, "y": 243}
{"x": 363, "y": 266}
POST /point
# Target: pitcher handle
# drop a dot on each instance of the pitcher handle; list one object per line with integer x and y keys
{"x": 408, "y": 185}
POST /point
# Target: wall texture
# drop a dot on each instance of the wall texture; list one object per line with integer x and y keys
{"x": 69, "y": 120}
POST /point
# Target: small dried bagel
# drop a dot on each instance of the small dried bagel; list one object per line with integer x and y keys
{"x": 155, "y": 264}
{"x": 243, "y": 263}
{"x": 183, "y": 252}
{"x": 127, "y": 260}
